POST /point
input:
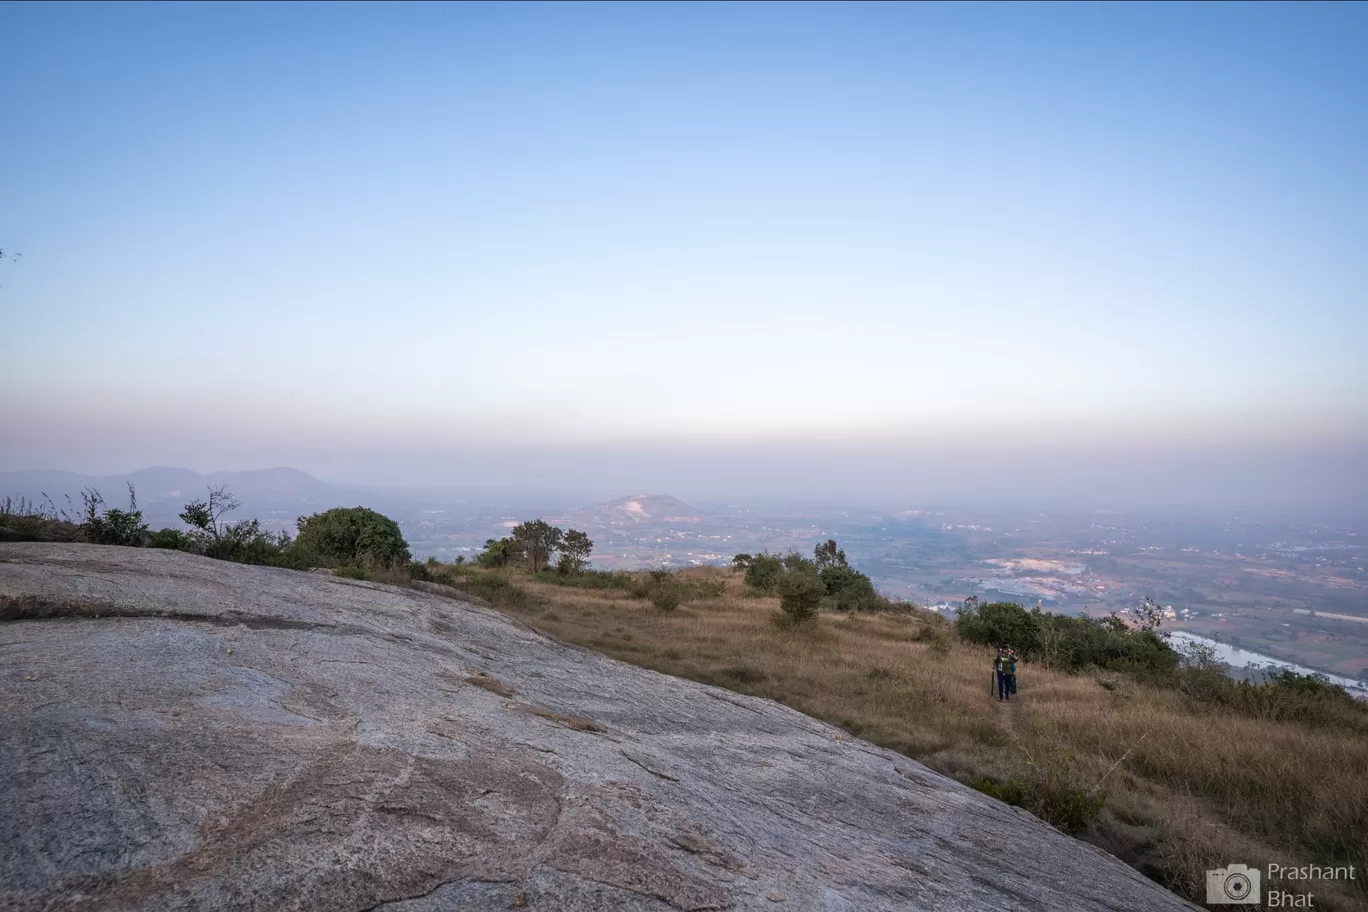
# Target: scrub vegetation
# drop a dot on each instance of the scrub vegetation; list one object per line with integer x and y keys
{"x": 352, "y": 539}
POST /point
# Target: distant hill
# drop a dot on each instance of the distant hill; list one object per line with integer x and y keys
{"x": 641, "y": 509}
{"x": 163, "y": 484}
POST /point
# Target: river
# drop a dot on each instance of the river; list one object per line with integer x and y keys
{"x": 1243, "y": 658}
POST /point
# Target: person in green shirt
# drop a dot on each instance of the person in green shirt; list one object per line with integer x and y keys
{"x": 1004, "y": 665}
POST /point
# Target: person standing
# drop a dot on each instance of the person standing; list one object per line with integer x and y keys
{"x": 1004, "y": 666}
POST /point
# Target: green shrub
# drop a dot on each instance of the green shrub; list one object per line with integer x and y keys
{"x": 458, "y": 568}
{"x": 708, "y": 588}
{"x": 1012, "y": 792}
{"x": 996, "y": 623}
{"x": 933, "y": 635}
{"x": 800, "y": 595}
{"x": 1068, "y": 643}
{"x": 1050, "y": 789}
{"x": 1056, "y": 792}
{"x": 844, "y": 587}
{"x": 171, "y": 539}
{"x": 499, "y": 553}
{"x": 242, "y": 542}
{"x": 1075, "y": 644}
{"x": 356, "y": 573}
{"x": 1285, "y": 697}
{"x": 353, "y": 535}
{"x": 1070, "y": 809}
{"x": 1287, "y": 681}
{"x": 247, "y": 543}
{"x": 666, "y": 596}
{"x": 119, "y": 527}
{"x": 847, "y": 588}
{"x": 113, "y": 526}
{"x": 734, "y": 675}
{"x": 666, "y": 589}
{"x": 763, "y": 572}
{"x": 495, "y": 588}
{"x": 588, "y": 579}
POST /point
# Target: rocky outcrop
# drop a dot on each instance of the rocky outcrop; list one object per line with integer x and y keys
{"x": 181, "y": 733}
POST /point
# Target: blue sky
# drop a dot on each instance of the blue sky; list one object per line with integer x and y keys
{"x": 261, "y": 234}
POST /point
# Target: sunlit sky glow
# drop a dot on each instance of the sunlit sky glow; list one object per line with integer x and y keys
{"x": 364, "y": 239}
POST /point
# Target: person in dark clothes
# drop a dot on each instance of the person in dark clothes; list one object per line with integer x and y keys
{"x": 1004, "y": 666}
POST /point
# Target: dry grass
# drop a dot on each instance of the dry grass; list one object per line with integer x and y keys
{"x": 42, "y": 521}
{"x": 1185, "y": 788}
{"x": 489, "y": 683}
{"x": 578, "y": 723}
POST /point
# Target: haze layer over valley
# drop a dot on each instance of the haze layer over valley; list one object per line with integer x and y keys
{"x": 1294, "y": 589}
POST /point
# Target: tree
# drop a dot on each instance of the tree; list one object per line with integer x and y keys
{"x": 539, "y": 541}
{"x": 741, "y": 561}
{"x": 1146, "y": 616}
{"x": 800, "y": 594}
{"x": 499, "y": 553}
{"x": 575, "y": 551}
{"x": 207, "y": 515}
{"x": 1199, "y": 654}
{"x": 353, "y": 536}
{"x": 827, "y": 555}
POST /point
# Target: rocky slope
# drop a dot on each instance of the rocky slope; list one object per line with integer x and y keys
{"x": 180, "y": 733}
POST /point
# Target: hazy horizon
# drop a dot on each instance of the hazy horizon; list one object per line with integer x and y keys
{"x": 1326, "y": 484}
{"x": 1076, "y": 254}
